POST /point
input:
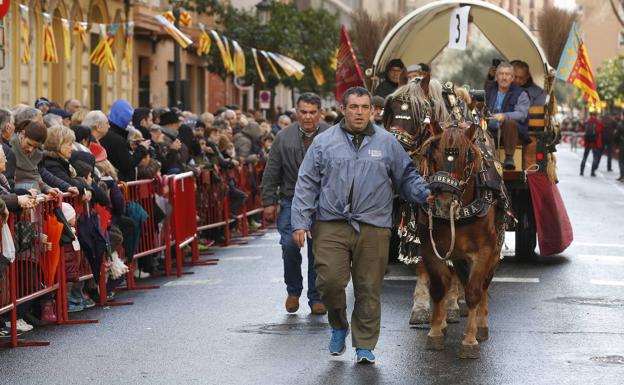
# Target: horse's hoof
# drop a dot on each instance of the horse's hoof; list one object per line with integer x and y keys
{"x": 452, "y": 316}
{"x": 469, "y": 351}
{"x": 483, "y": 333}
{"x": 435, "y": 343}
{"x": 420, "y": 317}
{"x": 463, "y": 308}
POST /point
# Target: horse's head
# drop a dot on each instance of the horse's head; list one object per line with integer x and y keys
{"x": 451, "y": 159}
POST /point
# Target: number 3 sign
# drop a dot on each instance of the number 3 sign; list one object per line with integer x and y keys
{"x": 458, "y": 29}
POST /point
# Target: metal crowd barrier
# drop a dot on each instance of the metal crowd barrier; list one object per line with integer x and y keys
{"x": 197, "y": 204}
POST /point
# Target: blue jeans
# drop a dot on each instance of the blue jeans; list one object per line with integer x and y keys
{"x": 291, "y": 254}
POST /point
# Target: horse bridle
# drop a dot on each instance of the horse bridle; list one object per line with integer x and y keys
{"x": 448, "y": 181}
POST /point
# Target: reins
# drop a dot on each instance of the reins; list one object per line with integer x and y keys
{"x": 454, "y": 206}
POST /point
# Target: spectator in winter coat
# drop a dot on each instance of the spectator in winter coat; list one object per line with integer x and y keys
{"x": 26, "y": 147}
{"x": 593, "y": 142}
{"x": 247, "y": 142}
{"x": 116, "y": 144}
{"x": 13, "y": 201}
{"x": 56, "y": 154}
{"x": 394, "y": 69}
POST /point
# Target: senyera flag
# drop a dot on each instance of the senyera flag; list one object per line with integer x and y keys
{"x": 574, "y": 66}
{"x": 348, "y": 73}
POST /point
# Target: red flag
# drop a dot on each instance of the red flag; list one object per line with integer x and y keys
{"x": 348, "y": 73}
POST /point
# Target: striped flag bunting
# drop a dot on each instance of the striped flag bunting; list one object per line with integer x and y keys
{"x": 175, "y": 33}
{"x": 254, "y": 52}
{"x": 50, "y": 54}
{"x": 25, "y": 29}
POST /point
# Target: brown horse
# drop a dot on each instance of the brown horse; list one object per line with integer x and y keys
{"x": 464, "y": 224}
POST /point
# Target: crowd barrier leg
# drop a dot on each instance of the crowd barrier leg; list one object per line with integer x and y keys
{"x": 103, "y": 301}
{"x": 62, "y": 302}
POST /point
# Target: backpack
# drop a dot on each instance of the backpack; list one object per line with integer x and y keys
{"x": 591, "y": 132}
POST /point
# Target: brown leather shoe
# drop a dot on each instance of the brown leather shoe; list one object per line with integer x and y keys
{"x": 292, "y": 303}
{"x": 318, "y": 308}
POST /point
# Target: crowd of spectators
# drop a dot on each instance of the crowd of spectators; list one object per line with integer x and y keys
{"x": 52, "y": 149}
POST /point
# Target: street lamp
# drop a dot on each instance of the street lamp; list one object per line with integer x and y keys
{"x": 177, "y": 89}
{"x": 263, "y": 11}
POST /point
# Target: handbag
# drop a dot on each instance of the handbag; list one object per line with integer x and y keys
{"x": 25, "y": 236}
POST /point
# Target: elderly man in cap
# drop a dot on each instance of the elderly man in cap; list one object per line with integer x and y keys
{"x": 421, "y": 70}
{"x": 393, "y": 78}
{"x": 65, "y": 116}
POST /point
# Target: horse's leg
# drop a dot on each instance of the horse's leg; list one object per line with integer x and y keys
{"x": 452, "y": 305}
{"x": 483, "y": 330}
{"x": 474, "y": 294}
{"x": 421, "y": 313}
{"x": 440, "y": 280}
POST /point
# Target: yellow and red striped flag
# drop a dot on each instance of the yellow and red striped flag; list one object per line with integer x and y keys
{"x": 66, "y": 39}
{"x": 50, "y": 54}
{"x": 203, "y": 48}
{"x": 319, "y": 77}
{"x": 80, "y": 32}
{"x": 185, "y": 19}
{"x": 25, "y": 33}
{"x": 175, "y": 33}
{"x": 574, "y": 66}
{"x": 128, "y": 54}
{"x": 102, "y": 55}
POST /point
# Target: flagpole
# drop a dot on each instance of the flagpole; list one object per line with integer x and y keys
{"x": 177, "y": 91}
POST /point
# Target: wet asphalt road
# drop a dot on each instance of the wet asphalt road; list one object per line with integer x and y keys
{"x": 562, "y": 324}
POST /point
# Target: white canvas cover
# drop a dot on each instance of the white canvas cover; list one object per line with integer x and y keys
{"x": 421, "y": 35}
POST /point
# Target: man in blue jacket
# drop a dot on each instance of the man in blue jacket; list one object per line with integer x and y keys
{"x": 509, "y": 105}
{"x": 348, "y": 178}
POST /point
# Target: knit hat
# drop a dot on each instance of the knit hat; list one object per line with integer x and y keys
{"x": 169, "y": 117}
{"x": 62, "y": 113}
{"x": 98, "y": 152}
{"x": 82, "y": 156}
{"x": 83, "y": 169}
{"x": 116, "y": 237}
{"x": 121, "y": 113}
{"x": 68, "y": 211}
{"x": 41, "y": 101}
{"x": 395, "y": 63}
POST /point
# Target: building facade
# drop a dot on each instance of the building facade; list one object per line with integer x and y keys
{"x": 25, "y": 82}
{"x": 602, "y": 32}
{"x": 147, "y": 82}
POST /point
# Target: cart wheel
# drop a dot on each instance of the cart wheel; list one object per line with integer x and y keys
{"x": 526, "y": 237}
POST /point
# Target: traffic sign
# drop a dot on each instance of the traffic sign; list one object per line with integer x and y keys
{"x": 4, "y": 7}
{"x": 265, "y": 99}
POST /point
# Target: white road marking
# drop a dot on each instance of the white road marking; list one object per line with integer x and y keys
{"x": 606, "y": 282}
{"x": 254, "y": 246}
{"x": 593, "y": 244}
{"x": 615, "y": 259}
{"x": 496, "y": 279}
{"x": 244, "y": 258}
{"x": 193, "y": 282}
{"x": 515, "y": 280}
{"x": 400, "y": 278}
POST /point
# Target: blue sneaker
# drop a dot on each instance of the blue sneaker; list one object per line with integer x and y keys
{"x": 364, "y": 356}
{"x": 73, "y": 307}
{"x": 337, "y": 341}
